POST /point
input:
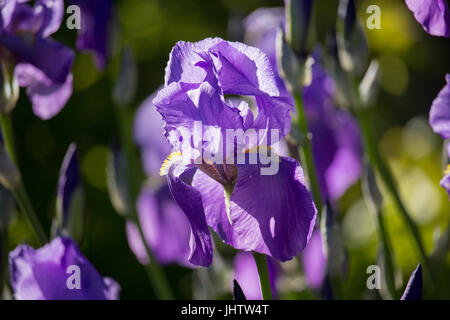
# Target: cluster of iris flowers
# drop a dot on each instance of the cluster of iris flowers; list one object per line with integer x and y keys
{"x": 276, "y": 81}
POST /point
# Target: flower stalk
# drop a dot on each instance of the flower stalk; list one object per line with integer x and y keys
{"x": 386, "y": 175}
{"x": 263, "y": 272}
{"x": 154, "y": 271}
{"x": 307, "y": 152}
{"x": 19, "y": 191}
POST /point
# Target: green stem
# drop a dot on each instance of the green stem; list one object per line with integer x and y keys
{"x": 19, "y": 192}
{"x": 263, "y": 271}
{"x": 154, "y": 270}
{"x": 7, "y": 134}
{"x": 26, "y": 207}
{"x": 387, "y": 255}
{"x": 388, "y": 179}
{"x": 307, "y": 152}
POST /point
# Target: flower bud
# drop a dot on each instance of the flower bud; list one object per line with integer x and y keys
{"x": 125, "y": 88}
{"x": 299, "y": 31}
{"x": 331, "y": 240}
{"x": 70, "y": 200}
{"x": 345, "y": 96}
{"x": 9, "y": 88}
{"x": 368, "y": 88}
{"x": 295, "y": 70}
{"x": 117, "y": 180}
{"x": 353, "y": 48}
{"x": 371, "y": 192}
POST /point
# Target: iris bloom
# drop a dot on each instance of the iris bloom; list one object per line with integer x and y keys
{"x": 44, "y": 274}
{"x": 42, "y": 65}
{"x": 433, "y": 15}
{"x": 336, "y": 139}
{"x": 440, "y": 122}
{"x": 270, "y": 214}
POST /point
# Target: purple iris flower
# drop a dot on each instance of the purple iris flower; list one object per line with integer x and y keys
{"x": 440, "y": 122}
{"x": 57, "y": 271}
{"x": 96, "y": 17}
{"x": 42, "y": 65}
{"x": 433, "y": 15}
{"x": 246, "y": 274}
{"x": 314, "y": 261}
{"x": 165, "y": 227}
{"x": 336, "y": 138}
{"x": 251, "y": 211}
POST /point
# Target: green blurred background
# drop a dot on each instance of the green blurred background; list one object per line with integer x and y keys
{"x": 413, "y": 66}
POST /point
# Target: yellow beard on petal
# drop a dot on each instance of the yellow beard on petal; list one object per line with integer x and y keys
{"x": 168, "y": 162}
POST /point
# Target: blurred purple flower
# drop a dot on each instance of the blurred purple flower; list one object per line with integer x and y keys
{"x": 314, "y": 261}
{"x": 433, "y": 15}
{"x": 336, "y": 138}
{"x": 95, "y": 35}
{"x": 149, "y": 136}
{"x": 44, "y": 274}
{"x": 246, "y": 274}
{"x": 248, "y": 210}
{"x": 413, "y": 290}
{"x": 165, "y": 227}
{"x": 42, "y": 65}
{"x": 440, "y": 122}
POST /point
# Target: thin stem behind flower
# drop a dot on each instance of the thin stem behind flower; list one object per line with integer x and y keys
{"x": 307, "y": 152}
{"x": 263, "y": 272}
{"x": 154, "y": 271}
{"x": 386, "y": 175}
{"x": 19, "y": 192}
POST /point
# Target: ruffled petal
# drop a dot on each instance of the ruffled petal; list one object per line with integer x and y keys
{"x": 187, "y": 61}
{"x": 433, "y": 15}
{"x": 244, "y": 70}
{"x": 48, "y": 97}
{"x": 270, "y": 214}
{"x": 190, "y": 201}
{"x": 440, "y": 111}
{"x": 196, "y": 118}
